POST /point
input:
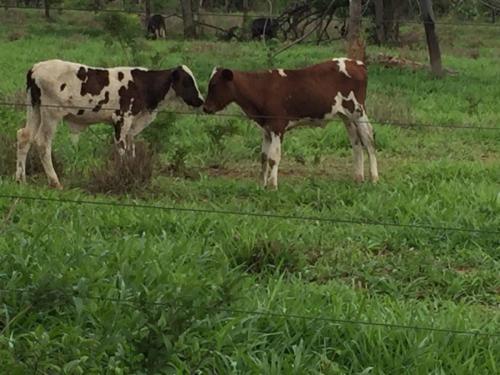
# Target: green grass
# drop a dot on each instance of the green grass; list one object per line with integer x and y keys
{"x": 192, "y": 276}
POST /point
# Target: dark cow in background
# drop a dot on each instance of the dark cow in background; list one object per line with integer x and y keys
{"x": 156, "y": 26}
{"x": 279, "y": 100}
{"x": 264, "y": 27}
{"x": 126, "y": 97}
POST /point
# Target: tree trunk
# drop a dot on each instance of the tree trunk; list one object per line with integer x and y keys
{"x": 97, "y": 5}
{"x": 387, "y": 14}
{"x": 46, "y": 4}
{"x": 245, "y": 14}
{"x": 379, "y": 21}
{"x": 147, "y": 10}
{"x": 354, "y": 19}
{"x": 431, "y": 36}
{"x": 398, "y": 10}
{"x": 195, "y": 8}
{"x": 356, "y": 47}
{"x": 188, "y": 19}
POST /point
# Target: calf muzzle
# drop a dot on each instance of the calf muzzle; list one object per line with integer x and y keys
{"x": 208, "y": 110}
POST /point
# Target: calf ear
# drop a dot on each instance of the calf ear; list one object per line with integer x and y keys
{"x": 227, "y": 75}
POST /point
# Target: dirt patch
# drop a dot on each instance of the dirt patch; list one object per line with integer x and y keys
{"x": 335, "y": 169}
{"x": 464, "y": 270}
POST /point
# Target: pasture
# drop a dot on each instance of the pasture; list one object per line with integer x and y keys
{"x": 92, "y": 289}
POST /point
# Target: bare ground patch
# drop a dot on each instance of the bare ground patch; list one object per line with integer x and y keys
{"x": 331, "y": 168}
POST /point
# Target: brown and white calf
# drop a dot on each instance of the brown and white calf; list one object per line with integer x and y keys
{"x": 126, "y": 97}
{"x": 279, "y": 100}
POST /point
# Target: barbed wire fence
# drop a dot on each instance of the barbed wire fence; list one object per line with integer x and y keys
{"x": 129, "y": 302}
{"x": 337, "y": 221}
{"x": 169, "y": 14}
{"x": 317, "y": 219}
{"x": 259, "y": 313}
{"x": 383, "y": 122}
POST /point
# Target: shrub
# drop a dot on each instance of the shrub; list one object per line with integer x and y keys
{"x": 269, "y": 256}
{"x": 8, "y": 159}
{"x": 124, "y": 174}
{"x": 8, "y": 155}
{"x": 125, "y": 30}
{"x": 159, "y": 134}
{"x": 218, "y": 132}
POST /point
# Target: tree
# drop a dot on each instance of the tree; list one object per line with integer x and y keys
{"x": 147, "y": 10}
{"x": 431, "y": 36}
{"x": 379, "y": 21}
{"x": 46, "y": 5}
{"x": 245, "y": 13}
{"x": 387, "y": 14}
{"x": 356, "y": 47}
{"x": 188, "y": 18}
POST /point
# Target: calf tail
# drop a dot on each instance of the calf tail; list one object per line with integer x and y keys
{"x": 33, "y": 103}
{"x": 34, "y": 92}
{"x": 26, "y": 135}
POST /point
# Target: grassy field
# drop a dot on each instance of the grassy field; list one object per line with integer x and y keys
{"x": 92, "y": 289}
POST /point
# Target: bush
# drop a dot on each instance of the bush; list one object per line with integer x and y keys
{"x": 269, "y": 256}
{"x": 125, "y": 30}
{"x": 8, "y": 159}
{"x": 124, "y": 174}
{"x": 8, "y": 155}
{"x": 159, "y": 134}
{"x": 218, "y": 132}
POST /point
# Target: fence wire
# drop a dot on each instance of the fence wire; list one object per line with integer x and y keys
{"x": 241, "y": 15}
{"x": 384, "y": 122}
{"x": 318, "y": 219}
{"x": 261, "y": 313}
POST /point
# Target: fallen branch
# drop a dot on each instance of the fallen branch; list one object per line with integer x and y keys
{"x": 390, "y": 61}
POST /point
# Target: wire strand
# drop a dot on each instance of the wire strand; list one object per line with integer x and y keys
{"x": 217, "y": 14}
{"x": 252, "y": 214}
{"x": 235, "y": 311}
{"x": 384, "y": 122}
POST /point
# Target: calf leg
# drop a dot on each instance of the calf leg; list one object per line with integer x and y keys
{"x": 266, "y": 144}
{"x": 273, "y": 159}
{"x": 122, "y": 129}
{"x": 25, "y": 137}
{"x": 130, "y": 145}
{"x": 357, "y": 150}
{"x": 365, "y": 133}
{"x": 43, "y": 141}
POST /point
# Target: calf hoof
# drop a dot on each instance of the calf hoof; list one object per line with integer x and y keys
{"x": 272, "y": 187}
{"x": 56, "y": 185}
{"x": 20, "y": 179}
{"x": 374, "y": 179}
{"x": 359, "y": 178}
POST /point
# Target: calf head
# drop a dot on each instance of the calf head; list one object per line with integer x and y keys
{"x": 185, "y": 86}
{"x": 220, "y": 91}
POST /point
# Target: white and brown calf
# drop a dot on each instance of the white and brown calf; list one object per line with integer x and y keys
{"x": 126, "y": 97}
{"x": 279, "y": 100}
